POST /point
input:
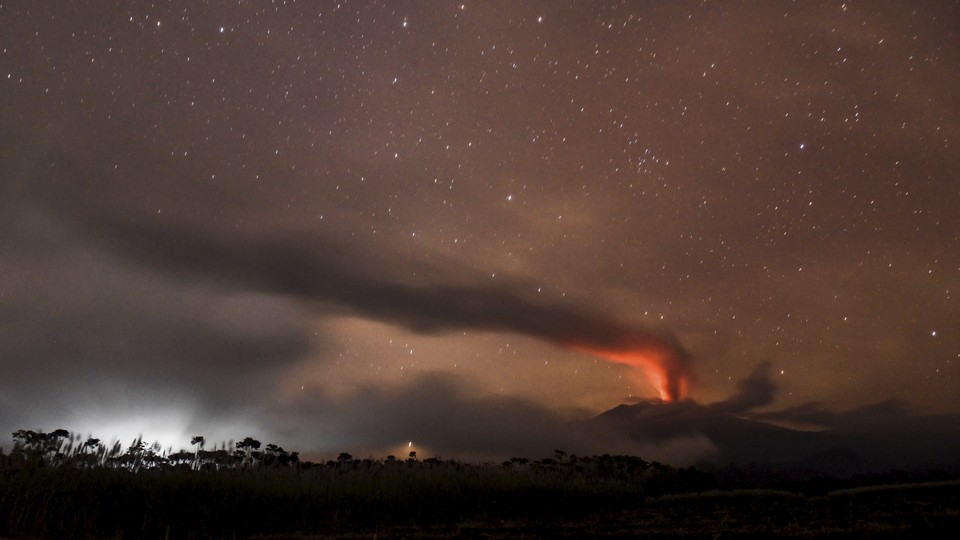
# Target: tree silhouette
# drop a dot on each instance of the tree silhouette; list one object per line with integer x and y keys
{"x": 45, "y": 447}
{"x": 197, "y": 441}
{"x": 247, "y": 450}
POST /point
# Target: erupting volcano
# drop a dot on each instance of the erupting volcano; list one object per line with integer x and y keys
{"x": 664, "y": 366}
{"x": 660, "y": 367}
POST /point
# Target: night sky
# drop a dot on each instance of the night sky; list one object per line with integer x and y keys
{"x": 357, "y": 225}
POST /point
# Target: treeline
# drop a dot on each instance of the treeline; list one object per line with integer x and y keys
{"x": 61, "y": 448}
{"x": 58, "y": 485}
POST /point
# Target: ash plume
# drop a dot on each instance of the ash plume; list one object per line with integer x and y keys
{"x": 322, "y": 271}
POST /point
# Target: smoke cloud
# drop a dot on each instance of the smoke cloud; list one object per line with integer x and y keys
{"x": 757, "y": 390}
{"x": 318, "y": 270}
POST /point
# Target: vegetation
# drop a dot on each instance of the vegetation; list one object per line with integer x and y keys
{"x": 57, "y": 485}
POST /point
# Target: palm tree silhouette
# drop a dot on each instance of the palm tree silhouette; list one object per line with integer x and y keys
{"x": 197, "y": 441}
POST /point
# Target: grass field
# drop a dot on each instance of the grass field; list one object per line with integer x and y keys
{"x": 923, "y": 511}
{"x": 60, "y": 492}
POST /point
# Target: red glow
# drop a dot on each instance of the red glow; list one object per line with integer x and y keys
{"x": 659, "y": 365}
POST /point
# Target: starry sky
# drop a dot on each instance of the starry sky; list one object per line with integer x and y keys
{"x": 356, "y": 225}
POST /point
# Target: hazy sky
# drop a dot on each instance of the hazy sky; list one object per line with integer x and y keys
{"x": 351, "y": 225}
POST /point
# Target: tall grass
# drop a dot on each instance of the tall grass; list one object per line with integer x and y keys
{"x": 60, "y": 486}
{"x": 56, "y": 486}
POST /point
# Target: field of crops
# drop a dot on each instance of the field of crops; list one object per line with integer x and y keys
{"x": 53, "y": 487}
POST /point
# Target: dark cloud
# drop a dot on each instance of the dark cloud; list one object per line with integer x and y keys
{"x": 818, "y": 415}
{"x": 366, "y": 280}
{"x": 434, "y": 411}
{"x": 83, "y": 328}
{"x": 757, "y": 390}
{"x": 318, "y": 270}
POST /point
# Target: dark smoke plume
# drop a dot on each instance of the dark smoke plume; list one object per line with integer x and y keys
{"x": 317, "y": 270}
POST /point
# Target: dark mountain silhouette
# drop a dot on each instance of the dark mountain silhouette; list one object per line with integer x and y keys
{"x": 898, "y": 440}
{"x": 737, "y": 440}
{"x": 906, "y": 441}
{"x": 867, "y": 438}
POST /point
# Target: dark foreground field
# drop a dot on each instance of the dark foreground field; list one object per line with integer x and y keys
{"x": 929, "y": 510}
{"x": 181, "y": 506}
{"x": 87, "y": 494}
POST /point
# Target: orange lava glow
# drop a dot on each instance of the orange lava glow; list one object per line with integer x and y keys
{"x": 659, "y": 365}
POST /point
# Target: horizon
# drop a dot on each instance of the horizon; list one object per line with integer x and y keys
{"x": 679, "y": 433}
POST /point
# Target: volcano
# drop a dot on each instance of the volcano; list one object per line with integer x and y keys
{"x": 899, "y": 440}
{"x": 736, "y": 439}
